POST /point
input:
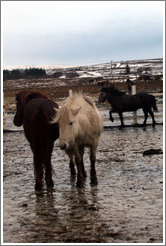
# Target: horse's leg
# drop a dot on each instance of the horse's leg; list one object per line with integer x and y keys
{"x": 93, "y": 160}
{"x": 121, "y": 118}
{"x": 71, "y": 164}
{"x": 81, "y": 149}
{"x": 48, "y": 167}
{"x": 152, "y": 115}
{"x": 111, "y": 118}
{"x": 146, "y": 116}
{"x": 80, "y": 177}
{"x": 38, "y": 169}
{"x": 48, "y": 173}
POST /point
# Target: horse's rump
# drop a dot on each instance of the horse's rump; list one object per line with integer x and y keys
{"x": 154, "y": 105}
{"x": 37, "y": 114}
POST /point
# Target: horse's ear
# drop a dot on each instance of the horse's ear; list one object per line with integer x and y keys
{"x": 76, "y": 111}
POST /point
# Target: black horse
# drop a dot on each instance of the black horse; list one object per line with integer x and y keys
{"x": 121, "y": 102}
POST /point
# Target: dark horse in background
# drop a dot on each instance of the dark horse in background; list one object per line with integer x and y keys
{"x": 122, "y": 102}
{"x": 34, "y": 111}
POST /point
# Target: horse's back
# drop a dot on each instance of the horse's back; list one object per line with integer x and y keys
{"x": 135, "y": 102}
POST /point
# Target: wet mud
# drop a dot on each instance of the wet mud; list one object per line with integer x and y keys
{"x": 125, "y": 207}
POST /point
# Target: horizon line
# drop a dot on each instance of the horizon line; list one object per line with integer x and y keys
{"x": 70, "y": 66}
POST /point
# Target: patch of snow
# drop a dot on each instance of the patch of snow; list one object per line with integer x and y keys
{"x": 118, "y": 65}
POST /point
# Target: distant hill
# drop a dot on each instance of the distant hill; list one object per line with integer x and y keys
{"x": 110, "y": 70}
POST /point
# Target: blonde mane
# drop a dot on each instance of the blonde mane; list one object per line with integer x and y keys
{"x": 71, "y": 103}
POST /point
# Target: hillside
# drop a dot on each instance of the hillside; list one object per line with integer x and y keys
{"x": 104, "y": 70}
{"x": 146, "y": 74}
{"x": 112, "y": 69}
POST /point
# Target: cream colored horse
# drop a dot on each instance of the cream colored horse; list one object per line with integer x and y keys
{"x": 80, "y": 126}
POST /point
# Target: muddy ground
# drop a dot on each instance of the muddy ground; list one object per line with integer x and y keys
{"x": 125, "y": 207}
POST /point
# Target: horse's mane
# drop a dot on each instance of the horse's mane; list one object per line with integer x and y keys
{"x": 112, "y": 91}
{"x": 89, "y": 100}
{"x": 68, "y": 104}
{"x": 79, "y": 96}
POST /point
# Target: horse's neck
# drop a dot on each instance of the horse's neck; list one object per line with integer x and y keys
{"x": 112, "y": 98}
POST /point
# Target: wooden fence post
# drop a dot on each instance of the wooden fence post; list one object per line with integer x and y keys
{"x": 133, "y": 89}
{"x": 70, "y": 93}
{"x": 133, "y": 92}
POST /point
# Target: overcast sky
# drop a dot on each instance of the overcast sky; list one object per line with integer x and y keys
{"x": 80, "y": 32}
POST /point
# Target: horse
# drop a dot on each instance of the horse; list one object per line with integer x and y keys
{"x": 122, "y": 102}
{"x": 80, "y": 126}
{"x": 34, "y": 111}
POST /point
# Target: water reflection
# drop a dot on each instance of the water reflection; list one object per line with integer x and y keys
{"x": 71, "y": 216}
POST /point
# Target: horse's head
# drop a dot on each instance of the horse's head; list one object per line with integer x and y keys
{"x": 22, "y": 98}
{"x": 102, "y": 98}
{"x": 104, "y": 94}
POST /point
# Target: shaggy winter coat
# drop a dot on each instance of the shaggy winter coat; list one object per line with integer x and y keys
{"x": 80, "y": 125}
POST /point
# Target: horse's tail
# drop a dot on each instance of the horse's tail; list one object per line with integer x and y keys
{"x": 154, "y": 105}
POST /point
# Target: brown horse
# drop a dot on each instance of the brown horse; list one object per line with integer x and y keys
{"x": 34, "y": 111}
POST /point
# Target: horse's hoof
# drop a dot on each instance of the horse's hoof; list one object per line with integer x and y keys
{"x": 80, "y": 184}
{"x": 38, "y": 187}
{"x": 94, "y": 181}
{"x": 154, "y": 124}
{"x": 50, "y": 184}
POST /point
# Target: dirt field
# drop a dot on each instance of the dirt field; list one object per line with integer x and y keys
{"x": 125, "y": 207}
